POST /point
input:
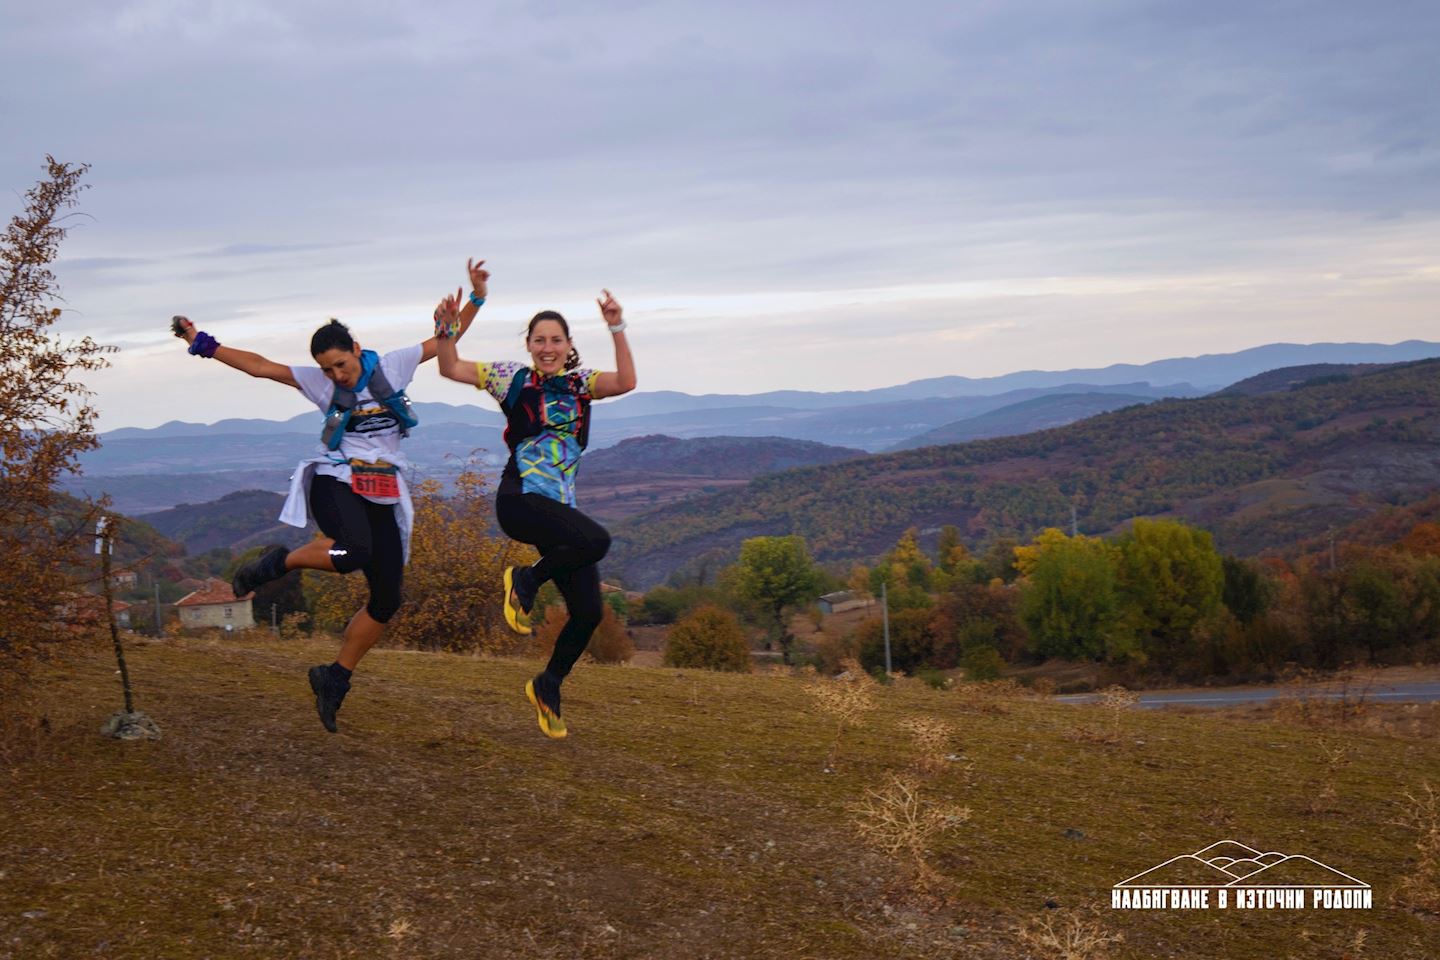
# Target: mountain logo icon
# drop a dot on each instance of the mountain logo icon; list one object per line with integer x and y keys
{"x": 1230, "y": 873}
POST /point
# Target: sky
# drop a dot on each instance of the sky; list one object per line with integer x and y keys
{"x": 815, "y": 196}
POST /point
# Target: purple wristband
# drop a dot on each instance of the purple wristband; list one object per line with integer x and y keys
{"x": 204, "y": 345}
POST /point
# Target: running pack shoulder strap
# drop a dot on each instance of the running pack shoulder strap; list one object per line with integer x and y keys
{"x": 343, "y": 400}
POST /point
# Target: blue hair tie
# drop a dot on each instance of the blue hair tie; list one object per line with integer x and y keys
{"x": 204, "y": 345}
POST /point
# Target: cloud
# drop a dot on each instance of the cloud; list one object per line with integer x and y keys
{"x": 1019, "y": 181}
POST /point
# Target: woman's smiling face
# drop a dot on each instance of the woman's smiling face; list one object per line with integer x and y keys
{"x": 548, "y": 346}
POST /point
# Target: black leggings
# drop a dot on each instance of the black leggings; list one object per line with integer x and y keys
{"x": 366, "y": 538}
{"x": 570, "y": 545}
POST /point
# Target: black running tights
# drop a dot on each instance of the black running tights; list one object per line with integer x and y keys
{"x": 570, "y": 545}
{"x": 366, "y": 538}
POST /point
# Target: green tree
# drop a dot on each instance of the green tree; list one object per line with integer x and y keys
{"x": 709, "y": 638}
{"x": 912, "y": 642}
{"x": 1247, "y": 593}
{"x": 1070, "y": 598}
{"x": 1171, "y": 578}
{"x": 775, "y": 574}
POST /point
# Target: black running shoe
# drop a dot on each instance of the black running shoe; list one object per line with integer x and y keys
{"x": 329, "y": 694}
{"x": 270, "y": 565}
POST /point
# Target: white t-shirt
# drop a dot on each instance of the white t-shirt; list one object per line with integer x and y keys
{"x": 373, "y": 432}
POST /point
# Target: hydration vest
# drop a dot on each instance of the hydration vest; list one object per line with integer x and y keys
{"x": 343, "y": 400}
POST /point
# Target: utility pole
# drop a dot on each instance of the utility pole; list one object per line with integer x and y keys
{"x": 885, "y": 618}
{"x": 1074, "y": 521}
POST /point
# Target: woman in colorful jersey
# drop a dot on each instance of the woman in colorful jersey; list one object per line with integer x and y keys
{"x": 355, "y": 486}
{"x": 547, "y": 409}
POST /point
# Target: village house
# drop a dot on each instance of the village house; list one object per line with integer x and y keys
{"x": 214, "y": 605}
{"x": 843, "y": 600}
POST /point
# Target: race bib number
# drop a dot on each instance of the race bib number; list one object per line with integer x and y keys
{"x": 379, "y": 482}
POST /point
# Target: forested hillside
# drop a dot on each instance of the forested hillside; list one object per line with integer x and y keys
{"x": 1260, "y": 472}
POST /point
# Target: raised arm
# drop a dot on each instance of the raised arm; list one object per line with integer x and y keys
{"x": 242, "y": 360}
{"x": 622, "y": 380}
{"x": 459, "y": 322}
{"x": 448, "y": 317}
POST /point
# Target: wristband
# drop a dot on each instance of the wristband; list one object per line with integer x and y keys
{"x": 445, "y": 329}
{"x": 617, "y": 328}
{"x": 477, "y": 301}
{"x": 204, "y": 345}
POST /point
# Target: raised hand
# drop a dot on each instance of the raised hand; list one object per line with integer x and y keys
{"x": 447, "y": 315}
{"x": 183, "y": 328}
{"x": 610, "y": 309}
{"x": 479, "y": 277}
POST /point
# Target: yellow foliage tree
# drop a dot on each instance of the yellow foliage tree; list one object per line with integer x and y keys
{"x": 452, "y": 583}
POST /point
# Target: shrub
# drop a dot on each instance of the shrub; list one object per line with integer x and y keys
{"x": 610, "y": 643}
{"x": 982, "y": 663}
{"x": 710, "y": 638}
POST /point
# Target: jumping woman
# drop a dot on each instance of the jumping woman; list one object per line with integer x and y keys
{"x": 355, "y": 486}
{"x": 547, "y": 409}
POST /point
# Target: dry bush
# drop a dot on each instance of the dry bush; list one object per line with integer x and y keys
{"x": 1314, "y": 700}
{"x": 1421, "y": 889}
{"x": 1114, "y": 700}
{"x": 709, "y": 637}
{"x": 897, "y": 821}
{"x": 453, "y": 583}
{"x": 1043, "y": 687}
{"x": 1070, "y": 938}
{"x": 989, "y": 696}
{"x": 1325, "y": 789}
{"x": 846, "y": 699}
{"x": 932, "y": 745}
{"x": 608, "y": 644}
{"x": 294, "y": 625}
{"x": 830, "y": 650}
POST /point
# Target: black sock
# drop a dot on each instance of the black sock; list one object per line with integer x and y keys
{"x": 339, "y": 674}
{"x": 526, "y": 586}
{"x": 275, "y": 564}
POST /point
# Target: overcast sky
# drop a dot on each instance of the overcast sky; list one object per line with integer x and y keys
{"x": 796, "y": 195}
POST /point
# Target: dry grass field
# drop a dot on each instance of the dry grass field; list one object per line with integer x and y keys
{"x": 688, "y": 815}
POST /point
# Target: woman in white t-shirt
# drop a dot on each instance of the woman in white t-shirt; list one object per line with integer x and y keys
{"x": 354, "y": 487}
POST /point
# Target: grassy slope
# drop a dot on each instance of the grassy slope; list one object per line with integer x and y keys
{"x": 687, "y": 815}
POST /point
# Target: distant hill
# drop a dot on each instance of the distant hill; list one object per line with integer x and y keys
{"x": 236, "y": 521}
{"x": 1041, "y": 413}
{"x": 644, "y": 472}
{"x": 134, "y": 465}
{"x": 1288, "y": 378}
{"x": 1260, "y": 472}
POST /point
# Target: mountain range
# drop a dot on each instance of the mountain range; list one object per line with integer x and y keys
{"x": 1260, "y": 472}
{"x": 146, "y": 470}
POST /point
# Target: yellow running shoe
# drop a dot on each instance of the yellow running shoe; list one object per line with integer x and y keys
{"x": 548, "y": 719}
{"x": 515, "y": 615}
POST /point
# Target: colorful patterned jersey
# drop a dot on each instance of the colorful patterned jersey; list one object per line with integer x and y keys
{"x": 548, "y": 425}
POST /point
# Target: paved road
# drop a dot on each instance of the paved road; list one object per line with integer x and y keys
{"x": 1231, "y": 696}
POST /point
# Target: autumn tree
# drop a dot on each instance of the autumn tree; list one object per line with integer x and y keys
{"x": 1172, "y": 579}
{"x": 451, "y": 590}
{"x": 1070, "y": 598}
{"x": 710, "y": 638}
{"x": 46, "y": 418}
{"x": 774, "y": 575}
